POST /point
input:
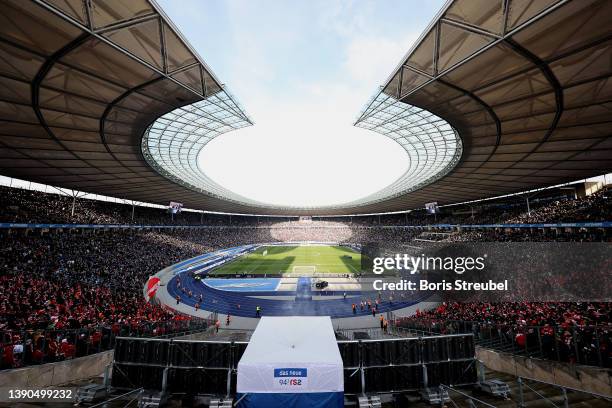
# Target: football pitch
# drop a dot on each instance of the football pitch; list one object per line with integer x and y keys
{"x": 298, "y": 260}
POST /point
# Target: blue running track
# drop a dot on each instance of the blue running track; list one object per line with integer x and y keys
{"x": 237, "y": 296}
{"x": 241, "y": 303}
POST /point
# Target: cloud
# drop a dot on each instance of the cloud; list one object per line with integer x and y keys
{"x": 344, "y": 17}
{"x": 303, "y": 71}
{"x": 372, "y": 60}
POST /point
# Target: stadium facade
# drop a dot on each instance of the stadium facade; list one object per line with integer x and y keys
{"x": 496, "y": 97}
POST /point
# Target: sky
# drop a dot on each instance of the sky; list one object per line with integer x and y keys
{"x": 302, "y": 70}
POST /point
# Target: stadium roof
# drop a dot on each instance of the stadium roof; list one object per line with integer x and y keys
{"x": 81, "y": 82}
{"x": 495, "y": 97}
{"x": 526, "y": 84}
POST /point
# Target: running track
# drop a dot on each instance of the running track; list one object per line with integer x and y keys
{"x": 243, "y": 304}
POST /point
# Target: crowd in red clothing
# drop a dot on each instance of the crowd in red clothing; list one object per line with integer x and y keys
{"x": 37, "y": 346}
{"x": 46, "y": 304}
{"x": 71, "y": 281}
{"x": 572, "y": 332}
{"x": 522, "y": 314}
{"x": 66, "y": 294}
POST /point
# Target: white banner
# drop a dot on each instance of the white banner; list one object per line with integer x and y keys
{"x": 291, "y": 355}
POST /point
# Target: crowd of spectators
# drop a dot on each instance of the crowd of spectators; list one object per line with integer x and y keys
{"x": 528, "y": 235}
{"x": 29, "y": 206}
{"x": 520, "y": 314}
{"x": 90, "y": 284}
{"x": 547, "y": 207}
{"x": 55, "y": 285}
{"x": 569, "y": 332}
{"x": 592, "y": 208}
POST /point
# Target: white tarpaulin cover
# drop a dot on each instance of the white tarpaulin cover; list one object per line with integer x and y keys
{"x": 292, "y": 360}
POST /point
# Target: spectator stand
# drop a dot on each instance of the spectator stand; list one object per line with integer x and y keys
{"x": 587, "y": 345}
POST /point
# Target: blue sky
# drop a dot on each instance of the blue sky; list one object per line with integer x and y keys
{"x": 302, "y": 70}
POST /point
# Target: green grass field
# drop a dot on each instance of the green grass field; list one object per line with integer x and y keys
{"x": 295, "y": 259}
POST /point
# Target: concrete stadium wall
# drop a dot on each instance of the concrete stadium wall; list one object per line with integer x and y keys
{"x": 593, "y": 379}
{"x": 53, "y": 374}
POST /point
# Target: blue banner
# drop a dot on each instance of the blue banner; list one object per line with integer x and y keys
{"x": 290, "y": 372}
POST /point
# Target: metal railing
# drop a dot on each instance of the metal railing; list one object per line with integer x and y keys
{"x": 557, "y": 396}
{"x": 132, "y": 396}
{"x": 523, "y": 385}
{"x": 586, "y": 345}
{"x": 473, "y": 401}
{"x": 362, "y": 334}
{"x": 32, "y": 347}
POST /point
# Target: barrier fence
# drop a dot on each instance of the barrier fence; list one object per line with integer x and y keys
{"x": 407, "y": 364}
{"x": 177, "y": 366}
{"x": 19, "y": 348}
{"x": 587, "y": 345}
{"x": 209, "y": 367}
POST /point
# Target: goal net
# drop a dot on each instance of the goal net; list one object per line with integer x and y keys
{"x": 305, "y": 269}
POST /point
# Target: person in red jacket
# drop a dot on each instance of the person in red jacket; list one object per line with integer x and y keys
{"x": 8, "y": 360}
{"x": 521, "y": 339}
{"x": 67, "y": 349}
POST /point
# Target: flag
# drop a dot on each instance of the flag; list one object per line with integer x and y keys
{"x": 152, "y": 286}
